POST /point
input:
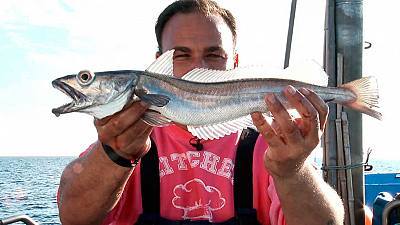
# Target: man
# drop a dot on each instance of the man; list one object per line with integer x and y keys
{"x": 198, "y": 185}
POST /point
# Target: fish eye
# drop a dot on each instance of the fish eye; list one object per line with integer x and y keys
{"x": 85, "y": 77}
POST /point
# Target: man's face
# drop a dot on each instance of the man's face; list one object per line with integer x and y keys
{"x": 199, "y": 42}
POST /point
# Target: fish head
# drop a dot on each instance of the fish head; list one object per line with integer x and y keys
{"x": 99, "y": 94}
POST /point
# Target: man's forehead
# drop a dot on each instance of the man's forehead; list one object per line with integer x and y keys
{"x": 195, "y": 29}
{"x": 195, "y": 22}
{"x": 214, "y": 17}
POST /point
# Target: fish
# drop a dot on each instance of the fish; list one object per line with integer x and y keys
{"x": 211, "y": 103}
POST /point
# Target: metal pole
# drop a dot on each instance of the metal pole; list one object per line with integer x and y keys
{"x": 330, "y": 145}
{"x": 290, "y": 34}
{"x": 340, "y": 136}
{"x": 349, "y": 42}
{"x": 350, "y": 189}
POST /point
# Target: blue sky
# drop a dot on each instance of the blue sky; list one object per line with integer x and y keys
{"x": 44, "y": 39}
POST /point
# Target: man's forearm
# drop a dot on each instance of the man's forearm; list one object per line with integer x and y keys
{"x": 90, "y": 187}
{"x": 307, "y": 199}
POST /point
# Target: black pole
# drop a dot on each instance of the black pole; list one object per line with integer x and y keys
{"x": 330, "y": 145}
{"x": 349, "y": 43}
{"x": 290, "y": 34}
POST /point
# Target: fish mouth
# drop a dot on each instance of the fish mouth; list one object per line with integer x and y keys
{"x": 75, "y": 95}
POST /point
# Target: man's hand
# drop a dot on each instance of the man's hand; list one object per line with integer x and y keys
{"x": 125, "y": 132}
{"x": 291, "y": 140}
{"x": 290, "y": 143}
{"x": 82, "y": 183}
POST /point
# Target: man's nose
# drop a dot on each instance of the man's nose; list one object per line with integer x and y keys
{"x": 199, "y": 62}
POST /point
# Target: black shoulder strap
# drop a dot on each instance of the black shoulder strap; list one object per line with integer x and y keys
{"x": 150, "y": 181}
{"x": 243, "y": 172}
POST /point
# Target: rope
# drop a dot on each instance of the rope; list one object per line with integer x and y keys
{"x": 367, "y": 167}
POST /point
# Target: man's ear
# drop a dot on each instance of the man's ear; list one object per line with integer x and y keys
{"x": 236, "y": 60}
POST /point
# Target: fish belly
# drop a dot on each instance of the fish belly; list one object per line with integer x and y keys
{"x": 206, "y": 110}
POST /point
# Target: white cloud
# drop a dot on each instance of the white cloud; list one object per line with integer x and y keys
{"x": 99, "y": 35}
{"x": 36, "y": 13}
{"x": 104, "y": 35}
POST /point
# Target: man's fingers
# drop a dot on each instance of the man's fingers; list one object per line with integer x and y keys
{"x": 101, "y": 122}
{"x": 266, "y": 130}
{"x": 319, "y": 104}
{"x": 276, "y": 127}
{"x": 124, "y": 119}
{"x": 287, "y": 126}
{"x": 307, "y": 111}
{"x": 125, "y": 132}
{"x": 135, "y": 132}
{"x": 119, "y": 122}
{"x": 142, "y": 145}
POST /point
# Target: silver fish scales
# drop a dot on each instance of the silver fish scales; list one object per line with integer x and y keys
{"x": 210, "y": 103}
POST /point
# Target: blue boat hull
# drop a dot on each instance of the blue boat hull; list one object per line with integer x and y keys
{"x": 380, "y": 182}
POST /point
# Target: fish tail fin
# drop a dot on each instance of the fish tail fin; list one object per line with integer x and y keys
{"x": 366, "y": 90}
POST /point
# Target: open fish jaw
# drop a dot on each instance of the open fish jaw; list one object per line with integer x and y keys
{"x": 77, "y": 97}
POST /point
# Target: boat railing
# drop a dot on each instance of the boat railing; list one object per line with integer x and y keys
{"x": 20, "y": 218}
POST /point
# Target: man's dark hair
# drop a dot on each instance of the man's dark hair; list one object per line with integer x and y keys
{"x": 207, "y": 7}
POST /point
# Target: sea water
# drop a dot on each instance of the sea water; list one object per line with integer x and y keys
{"x": 28, "y": 185}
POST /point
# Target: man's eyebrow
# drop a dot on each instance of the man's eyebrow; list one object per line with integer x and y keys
{"x": 182, "y": 49}
{"x": 215, "y": 49}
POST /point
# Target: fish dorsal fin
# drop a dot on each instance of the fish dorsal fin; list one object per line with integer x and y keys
{"x": 163, "y": 64}
{"x": 216, "y": 131}
{"x": 309, "y": 72}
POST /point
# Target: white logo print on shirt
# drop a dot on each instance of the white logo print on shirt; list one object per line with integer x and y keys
{"x": 192, "y": 204}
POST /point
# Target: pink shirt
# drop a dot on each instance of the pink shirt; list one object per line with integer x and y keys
{"x": 198, "y": 185}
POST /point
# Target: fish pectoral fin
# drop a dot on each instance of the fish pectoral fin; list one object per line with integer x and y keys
{"x": 155, "y": 119}
{"x": 155, "y": 99}
{"x": 216, "y": 131}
